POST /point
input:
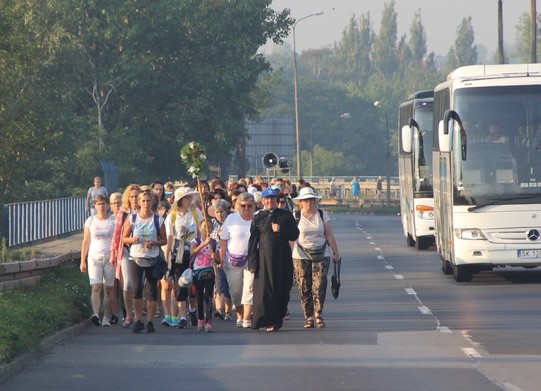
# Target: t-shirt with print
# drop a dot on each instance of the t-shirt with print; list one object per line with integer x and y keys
{"x": 202, "y": 258}
{"x": 236, "y": 231}
{"x": 145, "y": 230}
{"x": 101, "y": 235}
{"x": 187, "y": 220}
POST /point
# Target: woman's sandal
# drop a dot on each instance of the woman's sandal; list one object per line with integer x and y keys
{"x": 320, "y": 323}
{"x": 309, "y": 324}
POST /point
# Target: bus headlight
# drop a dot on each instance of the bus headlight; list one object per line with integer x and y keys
{"x": 425, "y": 212}
{"x": 470, "y": 234}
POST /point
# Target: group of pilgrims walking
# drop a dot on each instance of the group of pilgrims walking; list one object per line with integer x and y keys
{"x": 183, "y": 256}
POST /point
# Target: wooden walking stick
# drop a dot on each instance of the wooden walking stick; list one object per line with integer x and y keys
{"x": 194, "y": 157}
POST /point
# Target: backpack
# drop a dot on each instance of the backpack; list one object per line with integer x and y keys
{"x": 156, "y": 223}
{"x": 193, "y": 212}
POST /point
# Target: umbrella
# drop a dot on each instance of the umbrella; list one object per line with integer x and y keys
{"x": 335, "y": 280}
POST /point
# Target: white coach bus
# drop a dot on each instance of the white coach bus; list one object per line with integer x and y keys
{"x": 487, "y": 168}
{"x": 415, "y": 169}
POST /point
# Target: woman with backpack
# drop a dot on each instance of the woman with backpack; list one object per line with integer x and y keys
{"x": 145, "y": 233}
{"x": 312, "y": 256}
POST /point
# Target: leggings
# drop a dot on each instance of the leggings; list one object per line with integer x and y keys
{"x": 145, "y": 280}
{"x": 203, "y": 296}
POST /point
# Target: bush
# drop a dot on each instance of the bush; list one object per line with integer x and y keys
{"x": 29, "y": 314}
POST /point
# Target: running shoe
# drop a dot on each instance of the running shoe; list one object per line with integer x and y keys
{"x": 167, "y": 321}
{"x": 200, "y": 325}
{"x": 96, "y": 319}
{"x": 208, "y": 327}
{"x": 114, "y": 319}
{"x": 127, "y": 322}
{"x": 138, "y": 327}
{"x": 174, "y": 321}
{"x": 105, "y": 321}
{"x": 182, "y": 324}
{"x": 150, "y": 327}
{"x": 193, "y": 318}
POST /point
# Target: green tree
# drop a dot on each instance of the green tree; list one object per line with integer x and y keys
{"x": 463, "y": 52}
{"x": 384, "y": 53}
{"x": 417, "y": 40}
{"x": 523, "y": 37}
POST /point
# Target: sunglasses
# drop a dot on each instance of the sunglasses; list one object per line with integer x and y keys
{"x": 281, "y": 201}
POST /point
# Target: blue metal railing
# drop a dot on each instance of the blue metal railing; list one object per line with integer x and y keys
{"x": 29, "y": 222}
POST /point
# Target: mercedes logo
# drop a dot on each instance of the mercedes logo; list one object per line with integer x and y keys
{"x": 534, "y": 235}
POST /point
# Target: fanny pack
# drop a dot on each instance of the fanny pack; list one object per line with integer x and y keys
{"x": 204, "y": 274}
{"x": 314, "y": 253}
{"x": 238, "y": 260}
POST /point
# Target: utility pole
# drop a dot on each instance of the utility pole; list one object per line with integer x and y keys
{"x": 501, "y": 56}
{"x": 533, "y": 33}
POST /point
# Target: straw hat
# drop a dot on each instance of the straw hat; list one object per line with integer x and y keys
{"x": 182, "y": 192}
{"x": 306, "y": 193}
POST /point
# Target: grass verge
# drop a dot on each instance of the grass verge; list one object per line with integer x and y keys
{"x": 30, "y": 314}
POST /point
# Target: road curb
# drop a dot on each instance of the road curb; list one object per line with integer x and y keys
{"x": 19, "y": 363}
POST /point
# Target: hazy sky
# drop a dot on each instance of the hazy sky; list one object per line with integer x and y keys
{"x": 440, "y": 19}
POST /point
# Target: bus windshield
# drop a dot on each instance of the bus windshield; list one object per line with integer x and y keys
{"x": 502, "y": 143}
{"x": 423, "y": 143}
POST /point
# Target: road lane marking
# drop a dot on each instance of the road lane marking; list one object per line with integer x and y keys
{"x": 377, "y": 248}
{"x": 444, "y": 330}
{"x": 389, "y": 267}
{"x": 471, "y": 352}
{"x": 381, "y": 257}
{"x": 369, "y": 237}
{"x": 425, "y": 310}
{"x": 399, "y": 276}
{"x": 410, "y": 291}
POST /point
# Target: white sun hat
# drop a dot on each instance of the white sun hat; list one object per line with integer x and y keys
{"x": 182, "y": 192}
{"x": 306, "y": 193}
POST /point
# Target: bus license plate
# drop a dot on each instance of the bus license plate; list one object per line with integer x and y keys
{"x": 528, "y": 254}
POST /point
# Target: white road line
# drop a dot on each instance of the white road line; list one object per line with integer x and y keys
{"x": 410, "y": 291}
{"x": 389, "y": 267}
{"x": 510, "y": 387}
{"x": 377, "y": 248}
{"x": 425, "y": 310}
{"x": 471, "y": 352}
{"x": 381, "y": 257}
{"x": 372, "y": 243}
{"x": 369, "y": 237}
{"x": 399, "y": 276}
{"x": 444, "y": 330}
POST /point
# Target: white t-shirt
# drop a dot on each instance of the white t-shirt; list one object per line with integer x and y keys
{"x": 236, "y": 231}
{"x": 101, "y": 235}
{"x": 187, "y": 220}
{"x": 145, "y": 230}
{"x": 312, "y": 234}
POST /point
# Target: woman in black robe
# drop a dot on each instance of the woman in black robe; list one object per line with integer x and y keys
{"x": 270, "y": 259}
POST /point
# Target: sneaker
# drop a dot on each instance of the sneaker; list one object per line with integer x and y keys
{"x": 200, "y": 325}
{"x": 114, "y": 319}
{"x": 105, "y": 321}
{"x": 218, "y": 314}
{"x": 174, "y": 321}
{"x": 193, "y": 318}
{"x": 246, "y": 324}
{"x": 208, "y": 327}
{"x": 167, "y": 321}
{"x": 127, "y": 322}
{"x": 150, "y": 327}
{"x": 96, "y": 319}
{"x": 228, "y": 316}
{"x": 239, "y": 323}
{"x": 182, "y": 324}
{"x": 138, "y": 327}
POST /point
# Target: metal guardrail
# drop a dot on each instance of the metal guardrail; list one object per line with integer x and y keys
{"x": 29, "y": 222}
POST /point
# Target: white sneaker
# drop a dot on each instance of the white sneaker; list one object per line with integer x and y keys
{"x": 239, "y": 323}
{"x": 246, "y": 324}
{"x": 105, "y": 321}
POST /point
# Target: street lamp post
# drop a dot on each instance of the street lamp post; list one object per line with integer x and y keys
{"x": 387, "y": 157}
{"x": 297, "y": 130}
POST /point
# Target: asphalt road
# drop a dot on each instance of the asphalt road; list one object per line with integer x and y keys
{"x": 399, "y": 324}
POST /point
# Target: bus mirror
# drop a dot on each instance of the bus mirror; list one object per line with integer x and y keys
{"x": 406, "y": 138}
{"x": 444, "y": 138}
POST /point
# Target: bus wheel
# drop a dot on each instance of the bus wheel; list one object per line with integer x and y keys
{"x": 446, "y": 267}
{"x": 462, "y": 273}
{"x": 409, "y": 241}
{"x": 423, "y": 243}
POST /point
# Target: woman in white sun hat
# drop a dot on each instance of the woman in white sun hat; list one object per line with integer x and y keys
{"x": 181, "y": 228}
{"x": 312, "y": 253}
